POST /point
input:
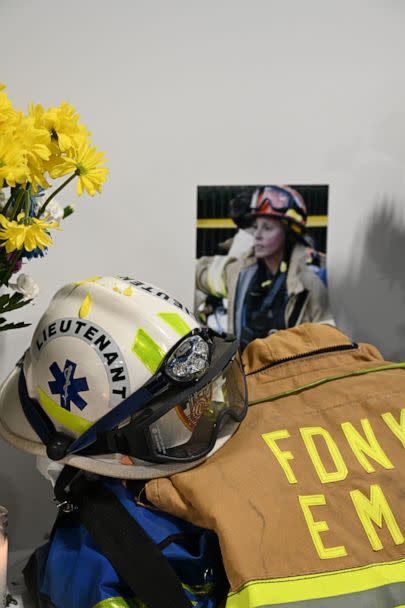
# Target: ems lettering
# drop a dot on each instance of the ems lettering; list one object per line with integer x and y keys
{"x": 372, "y": 511}
{"x": 316, "y": 527}
{"x": 376, "y": 510}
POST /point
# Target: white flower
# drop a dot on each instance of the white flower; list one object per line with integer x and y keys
{"x": 54, "y": 211}
{"x": 26, "y": 286}
{"x": 3, "y": 199}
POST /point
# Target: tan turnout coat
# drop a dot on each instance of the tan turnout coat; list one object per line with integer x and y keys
{"x": 308, "y": 496}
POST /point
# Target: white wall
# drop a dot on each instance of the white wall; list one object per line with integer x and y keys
{"x": 183, "y": 93}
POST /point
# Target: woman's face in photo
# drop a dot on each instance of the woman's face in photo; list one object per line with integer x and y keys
{"x": 269, "y": 237}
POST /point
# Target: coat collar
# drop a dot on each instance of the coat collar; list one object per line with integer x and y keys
{"x": 295, "y": 268}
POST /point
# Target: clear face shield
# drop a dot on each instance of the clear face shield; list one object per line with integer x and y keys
{"x": 190, "y": 428}
{"x": 182, "y": 424}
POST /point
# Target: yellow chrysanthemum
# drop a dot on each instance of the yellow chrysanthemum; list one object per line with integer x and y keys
{"x": 35, "y": 140}
{"x": 85, "y": 161}
{"x": 63, "y": 125}
{"x": 36, "y": 145}
{"x": 8, "y": 116}
{"x": 25, "y": 233}
{"x": 13, "y": 165}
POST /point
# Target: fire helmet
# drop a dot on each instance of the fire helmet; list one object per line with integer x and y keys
{"x": 120, "y": 380}
{"x": 279, "y": 202}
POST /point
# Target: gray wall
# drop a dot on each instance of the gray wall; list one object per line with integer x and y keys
{"x": 183, "y": 93}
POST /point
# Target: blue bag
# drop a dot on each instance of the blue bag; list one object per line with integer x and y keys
{"x": 69, "y": 571}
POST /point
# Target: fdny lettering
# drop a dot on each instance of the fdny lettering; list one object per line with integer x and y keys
{"x": 373, "y": 510}
{"x": 104, "y": 345}
{"x": 157, "y": 292}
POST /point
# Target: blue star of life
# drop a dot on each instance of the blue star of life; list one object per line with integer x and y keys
{"x": 67, "y": 386}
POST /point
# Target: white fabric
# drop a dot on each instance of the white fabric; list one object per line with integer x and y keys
{"x": 242, "y": 241}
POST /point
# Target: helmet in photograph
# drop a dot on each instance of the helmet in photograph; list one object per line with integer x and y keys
{"x": 121, "y": 380}
{"x": 282, "y": 203}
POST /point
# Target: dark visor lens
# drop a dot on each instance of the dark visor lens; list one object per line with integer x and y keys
{"x": 189, "y": 430}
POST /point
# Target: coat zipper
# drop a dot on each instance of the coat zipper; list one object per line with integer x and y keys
{"x": 312, "y": 353}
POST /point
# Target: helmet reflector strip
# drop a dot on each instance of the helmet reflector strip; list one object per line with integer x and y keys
{"x": 70, "y": 421}
{"x": 176, "y": 322}
{"x": 85, "y": 307}
{"x": 147, "y": 350}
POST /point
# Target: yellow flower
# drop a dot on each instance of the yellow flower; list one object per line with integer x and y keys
{"x": 35, "y": 140}
{"x": 13, "y": 165}
{"x": 8, "y": 115}
{"x": 36, "y": 145}
{"x": 25, "y": 233}
{"x": 85, "y": 161}
{"x": 62, "y": 124}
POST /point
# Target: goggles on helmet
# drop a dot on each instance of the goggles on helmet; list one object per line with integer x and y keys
{"x": 278, "y": 199}
{"x": 175, "y": 417}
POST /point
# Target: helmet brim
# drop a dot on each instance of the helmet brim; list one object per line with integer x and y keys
{"x": 16, "y": 430}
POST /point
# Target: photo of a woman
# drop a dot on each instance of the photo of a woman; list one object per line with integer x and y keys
{"x": 280, "y": 280}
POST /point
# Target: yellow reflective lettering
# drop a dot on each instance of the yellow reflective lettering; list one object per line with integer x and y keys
{"x": 376, "y": 509}
{"x": 397, "y": 428}
{"x": 307, "y": 434}
{"x": 282, "y": 456}
{"x": 316, "y": 527}
{"x": 369, "y": 446}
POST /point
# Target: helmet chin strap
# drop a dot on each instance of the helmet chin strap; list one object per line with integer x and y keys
{"x": 35, "y": 415}
{"x": 58, "y": 445}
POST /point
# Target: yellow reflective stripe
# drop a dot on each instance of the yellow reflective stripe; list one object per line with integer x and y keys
{"x": 147, "y": 350}
{"x": 204, "y": 589}
{"x": 70, "y": 421}
{"x": 120, "y": 602}
{"x": 215, "y": 276}
{"x": 305, "y": 387}
{"x": 317, "y": 221}
{"x": 313, "y": 221}
{"x": 85, "y": 307}
{"x": 317, "y": 586}
{"x": 176, "y": 322}
{"x": 216, "y": 222}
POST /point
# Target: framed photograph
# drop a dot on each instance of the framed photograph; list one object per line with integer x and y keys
{"x": 261, "y": 258}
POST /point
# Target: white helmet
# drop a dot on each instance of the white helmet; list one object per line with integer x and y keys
{"x": 120, "y": 380}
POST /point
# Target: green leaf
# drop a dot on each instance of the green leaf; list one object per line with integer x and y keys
{"x": 12, "y": 302}
{"x": 4, "y": 326}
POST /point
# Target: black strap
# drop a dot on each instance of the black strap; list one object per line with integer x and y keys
{"x": 135, "y": 557}
{"x": 273, "y": 292}
{"x": 299, "y": 303}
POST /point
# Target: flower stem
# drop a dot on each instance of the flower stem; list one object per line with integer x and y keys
{"x": 7, "y": 205}
{"x": 17, "y": 205}
{"x": 27, "y": 204}
{"x": 48, "y": 200}
{"x": 16, "y": 259}
{"x": 6, "y": 275}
